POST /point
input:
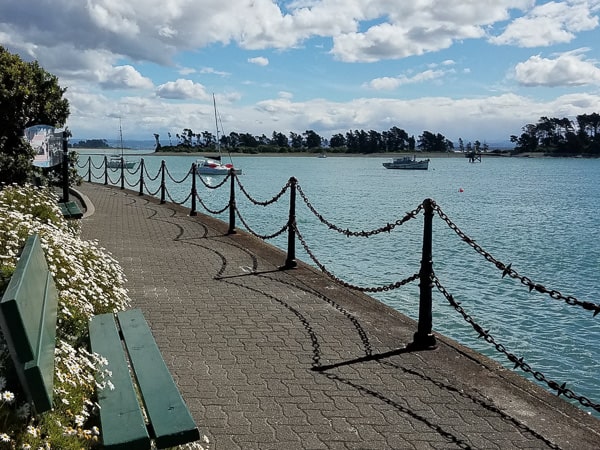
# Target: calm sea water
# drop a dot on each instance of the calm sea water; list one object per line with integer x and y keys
{"x": 539, "y": 214}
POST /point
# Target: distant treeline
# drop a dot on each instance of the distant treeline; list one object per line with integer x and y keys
{"x": 551, "y": 136}
{"x": 91, "y": 143}
{"x": 354, "y": 141}
{"x": 561, "y": 136}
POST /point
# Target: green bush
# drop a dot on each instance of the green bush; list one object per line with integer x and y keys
{"x": 89, "y": 282}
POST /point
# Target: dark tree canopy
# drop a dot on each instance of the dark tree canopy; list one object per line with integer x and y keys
{"x": 28, "y": 96}
{"x": 561, "y": 136}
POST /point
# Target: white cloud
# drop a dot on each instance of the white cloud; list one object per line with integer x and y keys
{"x": 491, "y": 118}
{"x": 548, "y": 24}
{"x": 567, "y": 69}
{"x": 99, "y": 45}
{"x": 182, "y": 89}
{"x": 210, "y": 70}
{"x": 259, "y": 61}
{"x": 391, "y": 83}
{"x": 124, "y": 77}
{"x": 186, "y": 71}
{"x": 157, "y": 30}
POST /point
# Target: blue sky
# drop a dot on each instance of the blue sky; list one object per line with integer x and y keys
{"x": 477, "y": 69}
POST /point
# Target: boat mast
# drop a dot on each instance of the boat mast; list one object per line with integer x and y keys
{"x": 121, "y": 136}
{"x": 217, "y": 126}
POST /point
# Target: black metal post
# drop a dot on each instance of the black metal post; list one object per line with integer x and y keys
{"x": 290, "y": 262}
{"x": 105, "y": 170}
{"x": 141, "y": 177}
{"x": 65, "y": 167}
{"x": 232, "y": 203}
{"x": 424, "y": 337}
{"x": 194, "y": 191}
{"x": 163, "y": 186}
{"x": 89, "y": 169}
{"x": 122, "y": 173}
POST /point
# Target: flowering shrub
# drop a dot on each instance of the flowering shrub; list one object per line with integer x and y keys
{"x": 89, "y": 282}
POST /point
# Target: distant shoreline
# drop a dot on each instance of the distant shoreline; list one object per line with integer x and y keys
{"x": 312, "y": 155}
{"x": 391, "y": 155}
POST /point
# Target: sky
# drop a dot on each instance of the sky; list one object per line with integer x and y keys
{"x": 472, "y": 69}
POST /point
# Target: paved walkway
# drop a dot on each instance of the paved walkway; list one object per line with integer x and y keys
{"x": 270, "y": 359}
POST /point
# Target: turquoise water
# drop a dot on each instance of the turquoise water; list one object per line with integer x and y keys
{"x": 538, "y": 214}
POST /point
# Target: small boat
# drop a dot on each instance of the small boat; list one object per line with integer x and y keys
{"x": 117, "y": 161}
{"x": 407, "y": 163}
{"x": 212, "y": 166}
{"x": 323, "y": 155}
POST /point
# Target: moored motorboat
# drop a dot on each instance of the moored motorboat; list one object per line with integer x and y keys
{"x": 407, "y": 163}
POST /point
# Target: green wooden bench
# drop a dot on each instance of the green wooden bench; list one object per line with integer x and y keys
{"x": 28, "y": 320}
{"x": 123, "y": 424}
{"x": 28, "y": 311}
{"x": 70, "y": 210}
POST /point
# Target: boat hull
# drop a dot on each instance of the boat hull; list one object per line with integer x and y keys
{"x": 216, "y": 171}
{"x": 119, "y": 164}
{"x": 407, "y": 165}
{"x": 214, "y": 167}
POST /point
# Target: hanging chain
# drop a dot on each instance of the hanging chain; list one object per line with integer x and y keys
{"x": 215, "y": 212}
{"x": 386, "y": 228}
{"x": 323, "y": 269}
{"x": 261, "y": 236}
{"x": 176, "y": 202}
{"x": 560, "y": 389}
{"x": 263, "y": 203}
{"x": 173, "y": 179}
{"x": 508, "y": 270}
{"x": 217, "y": 186}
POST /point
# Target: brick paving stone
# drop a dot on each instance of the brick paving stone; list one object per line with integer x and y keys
{"x": 271, "y": 359}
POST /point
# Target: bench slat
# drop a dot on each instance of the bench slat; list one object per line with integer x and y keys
{"x": 171, "y": 421}
{"x": 40, "y": 371}
{"x": 123, "y": 425}
{"x": 70, "y": 210}
{"x": 28, "y": 313}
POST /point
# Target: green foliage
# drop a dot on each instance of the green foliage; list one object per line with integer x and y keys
{"x": 561, "y": 136}
{"x": 88, "y": 282}
{"x": 28, "y": 96}
{"x": 429, "y": 142}
{"x": 91, "y": 143}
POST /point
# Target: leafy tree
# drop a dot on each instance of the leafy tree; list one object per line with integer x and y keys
{"x": 528, "y": 141}
{"x": 337, "y": 140}
{"x": 296, "y": 140}
{"x": 28, "y": 96}
{"x": 429, "y": 142}
{"x": 280, "y": 139}
{"x": 312, "y": 139}
{"x": 247, "y": 140}
{"x": 208, "y": 138}
{"x": 374, "y": 142}
{"x": 395, "y": 140}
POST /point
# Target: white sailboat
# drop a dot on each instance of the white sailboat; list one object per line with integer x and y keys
{"x": 117, "y": 161}
{"x": 214, "y": 166}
